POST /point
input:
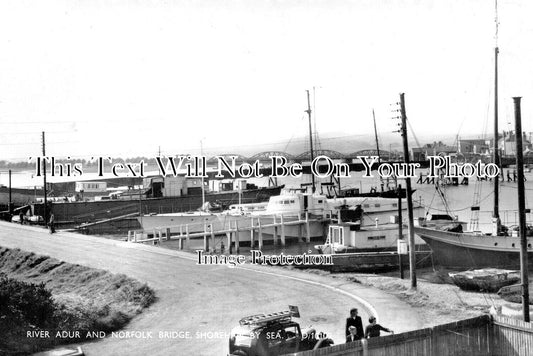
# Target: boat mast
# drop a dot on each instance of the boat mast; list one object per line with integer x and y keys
{"x": 496, "y": 213}
{"x": 377, "y": 146}
{"x": 203, "y": 188}
{"x": 308, "y": 111}
{"x": 376, "y": 135}
{"x": 521, "y": 209}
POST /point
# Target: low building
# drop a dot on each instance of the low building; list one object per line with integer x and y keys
{"x": 432, "y": 149}
{"x": 479, "y": 146}
{"x": 507, "y": 143}
{"x": 91, "y": 187}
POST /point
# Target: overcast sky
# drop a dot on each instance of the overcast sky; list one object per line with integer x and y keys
{"x": 125, "y": 77}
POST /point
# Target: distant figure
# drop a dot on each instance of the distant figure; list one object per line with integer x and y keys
{"x": 354, "y": 321}
{"x": 51, "y": 224}
{"x": 515, "y": 176}
{"x": 373, "y": 330}
{"x": 21, "y": 217}
{"x": 509, "y": 176}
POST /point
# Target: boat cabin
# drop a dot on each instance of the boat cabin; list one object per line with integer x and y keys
{"x": 349, "y": 237}
{"x": 296, "y": 204}
{"x": 171, "y": 186}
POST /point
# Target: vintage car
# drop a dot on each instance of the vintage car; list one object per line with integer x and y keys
{"x": 271, "y": 335}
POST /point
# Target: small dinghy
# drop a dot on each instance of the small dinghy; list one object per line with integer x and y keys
{"x": 486, "y": 280}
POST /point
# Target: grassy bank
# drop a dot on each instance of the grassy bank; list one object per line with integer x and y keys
{"x": 42, "y": 293}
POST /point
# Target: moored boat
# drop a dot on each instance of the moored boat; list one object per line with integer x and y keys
{"x": 351, "y": 237}
{"x": 170, "y": 200}
{"x": 474, "y": 249}
{"x": 289, "y": 205}
{"x": 486, "y": 280}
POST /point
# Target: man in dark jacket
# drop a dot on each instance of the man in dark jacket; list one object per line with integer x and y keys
{"x": 354, "y": 320}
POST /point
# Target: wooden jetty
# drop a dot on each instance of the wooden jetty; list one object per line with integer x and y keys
{"x": 255, "y": 228}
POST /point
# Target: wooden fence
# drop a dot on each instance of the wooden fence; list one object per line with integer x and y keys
{"x": 480, "y": 336}
{"x": 512, "y": 337}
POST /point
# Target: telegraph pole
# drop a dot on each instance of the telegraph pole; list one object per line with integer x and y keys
{"x": 521, "y": 209}
{"x": 44, "y": 179}
{"x": 412, "y": 255}
{"x": 400, "y": 228}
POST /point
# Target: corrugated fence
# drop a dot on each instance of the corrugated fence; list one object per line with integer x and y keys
{"x": 480, "y": 336}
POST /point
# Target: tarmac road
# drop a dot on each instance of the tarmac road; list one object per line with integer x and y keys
{"x": 200, "y": 304}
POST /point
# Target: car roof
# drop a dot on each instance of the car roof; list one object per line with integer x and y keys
{"x": 246, "y": 329}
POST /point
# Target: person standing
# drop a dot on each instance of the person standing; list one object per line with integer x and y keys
{"x": 373, "y": 329}
{"x": 51, "y": 224}
{"x": 355, "y": 321}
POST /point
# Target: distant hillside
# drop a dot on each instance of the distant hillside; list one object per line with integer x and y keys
{"x": 341, "y": 142}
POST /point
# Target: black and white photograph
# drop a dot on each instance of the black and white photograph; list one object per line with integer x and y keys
{"x": 264, "y": 178}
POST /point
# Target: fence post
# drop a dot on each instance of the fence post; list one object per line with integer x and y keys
{"x": 364, "y": 343}
{"x": 260, "y": 234}
{"x": 206, "y": 242}
{"x": 180, "y": 243}
{"x": 307, "y": 228}
{"x": 252, "y": 237}
{"x": 168, "y": 233}
{"x": 491, "y": 337}
{"x": 213, "y": 245}
{"x": 228, "y": 236}
{"x": 129, "y": 235}
{"x": 282, "y": 232}
{"x": 160, "y": 236}
{"x": 275, "y": 231}
{"x": 237, "y": 239}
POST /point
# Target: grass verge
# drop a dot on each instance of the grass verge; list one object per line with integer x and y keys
{"x": 42, "y": 296}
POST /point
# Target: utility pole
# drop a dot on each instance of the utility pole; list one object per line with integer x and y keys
{"x": 400, "y": 229}
{"x": 44, "y": 186}
{"x": 308, "y": 111}
{"x": 412, "y": 255}
{"x": 521, "y": 209}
